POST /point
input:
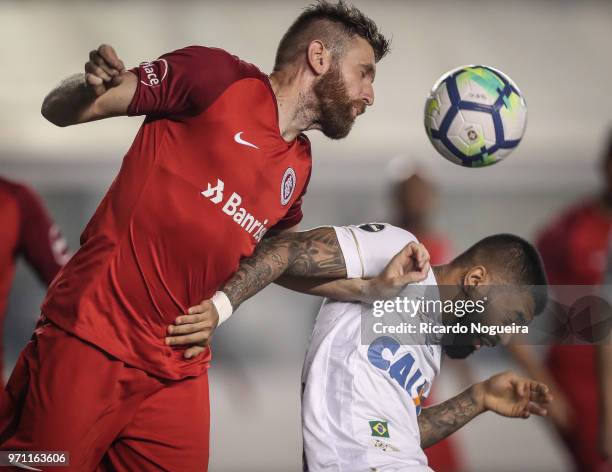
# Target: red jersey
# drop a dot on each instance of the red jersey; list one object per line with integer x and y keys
{"x": 575, "y": 246}
{"x": 574, "y": 249}
{"x": 207, "y": 175}
{"x": 27, "y": 231}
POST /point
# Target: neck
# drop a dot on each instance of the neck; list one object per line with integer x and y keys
{"x": 288, "y": 86}
{"x": 445, "y": 274}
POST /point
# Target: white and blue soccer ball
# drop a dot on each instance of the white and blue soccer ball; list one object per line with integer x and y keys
{"x": 475, "y": 116}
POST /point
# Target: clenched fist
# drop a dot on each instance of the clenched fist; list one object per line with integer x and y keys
{"x": 103, "y": 70}
{"x": 410, "y": 265}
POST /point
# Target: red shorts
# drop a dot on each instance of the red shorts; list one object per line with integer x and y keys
{"x": 68, "y": 395}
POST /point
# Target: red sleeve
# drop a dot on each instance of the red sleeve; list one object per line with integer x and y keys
{"x": 294, "y": 215}
{"x": 40, "y": 241}
{"x": 186, "y": 81}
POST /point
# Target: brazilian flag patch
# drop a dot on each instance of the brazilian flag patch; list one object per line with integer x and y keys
{"x": 379, "y": 429}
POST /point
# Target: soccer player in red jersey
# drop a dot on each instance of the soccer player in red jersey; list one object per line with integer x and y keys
{"x": 574, "y": 248}
{"x": 28, "y": 231}
{"x": 219, "y": 161}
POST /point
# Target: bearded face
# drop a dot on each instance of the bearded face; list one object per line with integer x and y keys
{"x": 336, "y": 110}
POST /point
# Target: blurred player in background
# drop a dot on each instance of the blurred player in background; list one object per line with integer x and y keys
{"x": 415, "y": 201}
{"x": 362, "y": 403}
{"x": 28, "y": 232}
{"x": 220, "y": 160}
{"x": 574, "y": 248}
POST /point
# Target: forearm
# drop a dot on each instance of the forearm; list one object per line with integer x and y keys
{"x": 439, "y": 421}
{"x": 346, "y": 290}
{"x": 314, "y": 253}
{"x": 67, "y": 104}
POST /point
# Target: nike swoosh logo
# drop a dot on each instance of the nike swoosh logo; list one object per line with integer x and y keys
{"x": 239, "y": 140}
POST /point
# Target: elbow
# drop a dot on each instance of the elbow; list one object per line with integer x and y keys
{"x": 51, "y": 115}
{"x": 54, "y": 119}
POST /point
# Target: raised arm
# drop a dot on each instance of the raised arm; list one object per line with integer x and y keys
{"x": 105, "y": 89}
{"x": 314, "y": 254}
{"x": 311, "y": 262}
{"x": 506, "y": 394}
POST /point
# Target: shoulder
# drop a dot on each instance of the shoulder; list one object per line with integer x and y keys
{"x": 384, "y": 232}
{"x": 369, "y": 247}
{"x": 9, "y": 185}
{"x": 15, "y": 189}
{"x": 9, "y": 200}
{"x": 219, "y": 60}
{"x": 580, "y": 210}
{"x": 573, "y": 216}
{"x": 23, "y": 200}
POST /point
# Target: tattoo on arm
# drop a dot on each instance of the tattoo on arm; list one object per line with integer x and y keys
{"x": 314, "y": 253}
{"x": 439, "y": 421}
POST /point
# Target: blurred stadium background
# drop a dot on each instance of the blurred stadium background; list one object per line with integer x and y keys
{"x": 556, "y": 51}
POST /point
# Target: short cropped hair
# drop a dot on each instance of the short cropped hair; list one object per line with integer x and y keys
{"x": 515, "y": 260}
{"x": 334, "y": 24}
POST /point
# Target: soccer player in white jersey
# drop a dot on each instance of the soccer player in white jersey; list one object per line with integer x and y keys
{"x": 361, "y": 403}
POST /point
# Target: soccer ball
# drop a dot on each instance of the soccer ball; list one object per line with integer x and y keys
{"x": 475, "y": 116}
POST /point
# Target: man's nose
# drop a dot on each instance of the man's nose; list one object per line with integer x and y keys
{"x": 368, "y": 95}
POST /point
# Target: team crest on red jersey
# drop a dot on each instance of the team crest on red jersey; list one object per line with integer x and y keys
{"x": 287, "y": 185}
{"x": 153, "y": 73}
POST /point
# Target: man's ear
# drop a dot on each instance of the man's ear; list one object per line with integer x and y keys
{"x": 476, "y": 281}
{"x": 476, "y": 276}
{"x": 319, "y": 57}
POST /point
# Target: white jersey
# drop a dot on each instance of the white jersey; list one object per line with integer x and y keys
{"x": 360, "y": 402}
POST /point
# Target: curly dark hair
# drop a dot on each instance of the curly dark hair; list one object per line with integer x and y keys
{"x": 334, "y": 24}
{"x": 516, "y": 260}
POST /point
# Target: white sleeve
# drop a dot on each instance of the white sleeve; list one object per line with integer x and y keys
{"x": 368, "y": 248}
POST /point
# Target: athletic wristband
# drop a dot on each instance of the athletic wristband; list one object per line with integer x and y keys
{"x": 223, "y": 306}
